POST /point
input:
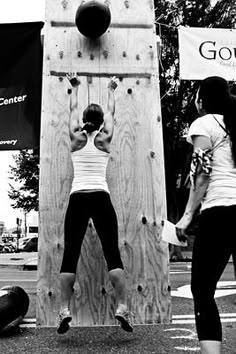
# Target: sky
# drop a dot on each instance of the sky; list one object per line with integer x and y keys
{"x": 22, "y": 11}
{"x": 15, "y": 11}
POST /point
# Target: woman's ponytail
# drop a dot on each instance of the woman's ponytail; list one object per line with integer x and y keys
{"x": 92, "y": 118}
{"x": 89, "y": 127}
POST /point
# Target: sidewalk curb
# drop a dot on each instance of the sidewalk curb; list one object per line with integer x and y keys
{"x": 20, "y": 261}
{"x": 12, "y": 266}
{"x": 19, "y": 266}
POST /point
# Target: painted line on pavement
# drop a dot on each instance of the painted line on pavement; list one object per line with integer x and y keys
{"x": 189, "y": 319}
{"x": 189, "y": 349}
{"x": 28, "y": 325}
{"x": 29, "y": 320}
{"x": 178, "y": 333}
{"x": 225, "y": 320}
{"x": 233, "y": 314}
{"x": 176, "y": 319}
{"x": 180, "y": 272}
{"x": 224, "y": 288}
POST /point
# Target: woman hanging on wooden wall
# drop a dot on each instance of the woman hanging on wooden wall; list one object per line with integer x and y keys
{"x": 90, "y": 198}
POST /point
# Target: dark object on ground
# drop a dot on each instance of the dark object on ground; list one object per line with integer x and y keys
{"x": 14, "y": 304}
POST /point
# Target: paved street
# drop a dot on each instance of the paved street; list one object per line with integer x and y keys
{"x": 180, "y": 274}
{"x": 178, "y": 337}
{"x": 182, "y": 303}
{"x": 25, "y": 279}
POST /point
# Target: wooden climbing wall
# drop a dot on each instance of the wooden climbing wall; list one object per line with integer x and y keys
{"x": 135, "y": 172}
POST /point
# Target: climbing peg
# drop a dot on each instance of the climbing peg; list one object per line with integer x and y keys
{"x": 105, "y": 54}
{"x": 64, "y": 4}
{"x": 152, "y": 154}
{"x": 144, "y": 220}
{"x": 139, "y": 288}
{"x": 126, "y": 4}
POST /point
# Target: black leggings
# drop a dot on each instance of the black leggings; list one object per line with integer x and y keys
{"x": 98, "y": 207}
{"x": 215, "y": 242}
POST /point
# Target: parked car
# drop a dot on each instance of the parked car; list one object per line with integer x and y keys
{"x": 22, "y": 242}
{"x": 31, "y": 245}
{"x": 7, "y": 247}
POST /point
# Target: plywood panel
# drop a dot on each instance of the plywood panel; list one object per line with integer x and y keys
{"x": 136, "y": 158}
{"x": 132, "y": 53}
{"x": 135, "y": 172}
{"x": 131, "y": 11}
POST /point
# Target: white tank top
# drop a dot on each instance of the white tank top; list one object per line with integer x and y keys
{"x": 90, "y": 165}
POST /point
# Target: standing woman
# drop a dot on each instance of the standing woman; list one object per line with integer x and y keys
{"x": 213, "y": 176}
{"x": 90, "y": 198}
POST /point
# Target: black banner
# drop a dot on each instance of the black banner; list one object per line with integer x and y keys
{"x": 20, "y": 85}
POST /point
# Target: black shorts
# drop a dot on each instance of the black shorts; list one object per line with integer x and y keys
{"x": 214, "y": 243}
{"x": 97, "y": 206}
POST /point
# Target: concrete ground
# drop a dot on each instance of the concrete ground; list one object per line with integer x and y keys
{"x": 29, "y": 260}
{"x": 22, "y": 260}
{"x": 146, "y": 339}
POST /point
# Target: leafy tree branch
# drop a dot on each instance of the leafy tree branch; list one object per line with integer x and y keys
{"x": 25, "y": 174}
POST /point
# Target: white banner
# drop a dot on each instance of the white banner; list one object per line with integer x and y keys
{"x": 207, "y": 52}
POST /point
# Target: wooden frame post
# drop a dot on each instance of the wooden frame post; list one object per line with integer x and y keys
{"x": 136, "y": 168}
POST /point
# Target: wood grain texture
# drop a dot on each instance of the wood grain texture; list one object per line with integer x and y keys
{"x": 122, "y": 11}
{"x": 135, "y": 171}
{"x": 131, "y": 52}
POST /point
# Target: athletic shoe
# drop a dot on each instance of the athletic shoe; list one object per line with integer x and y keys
{"x": 125, "y": 319}
{"x": 63, "y": 320}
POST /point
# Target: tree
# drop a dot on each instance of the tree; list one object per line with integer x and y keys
{"x": 177, "y": 96}
{"x": 25, "y": 174}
